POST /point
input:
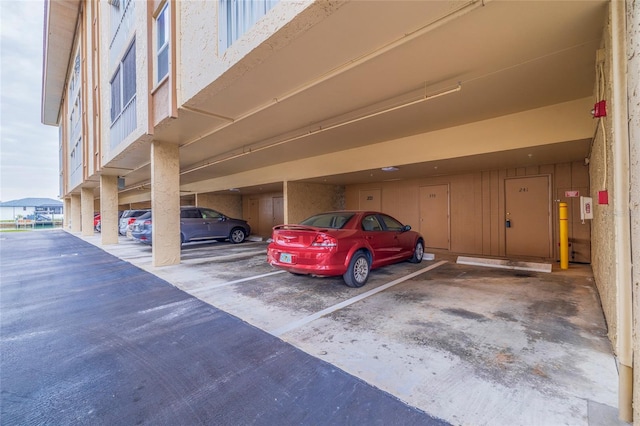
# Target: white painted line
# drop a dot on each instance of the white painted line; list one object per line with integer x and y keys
{"x": 504, "y": 264}
{"x": 306, "y": 320}
{"x": 214, "y": 286}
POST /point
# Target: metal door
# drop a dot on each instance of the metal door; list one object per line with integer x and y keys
{"x": 528, "y": 216}
{"x": 278, "y": 212}
{"x": 369, "y": 199}
{"x": 254, "y": 215}
{"x": 434, "y": 216}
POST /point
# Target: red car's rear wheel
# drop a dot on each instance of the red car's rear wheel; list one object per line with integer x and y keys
{"x": 358, "y": 271}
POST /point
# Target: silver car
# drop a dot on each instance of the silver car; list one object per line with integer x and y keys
{"x": 127, "y": 218}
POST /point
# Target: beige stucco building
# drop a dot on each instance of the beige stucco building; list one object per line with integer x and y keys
{"x": 470, "y": 121}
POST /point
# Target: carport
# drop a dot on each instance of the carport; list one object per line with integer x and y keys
{"x": 469, "y": 121}
{"x": 468, "y": 344}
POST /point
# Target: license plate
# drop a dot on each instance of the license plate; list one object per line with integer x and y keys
{"x": 285, "y": 258}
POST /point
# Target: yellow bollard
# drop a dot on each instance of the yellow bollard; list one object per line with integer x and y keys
{"x": 564, "y": 237}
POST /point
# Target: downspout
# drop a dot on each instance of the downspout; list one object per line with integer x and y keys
{"x": 622, "y": 223}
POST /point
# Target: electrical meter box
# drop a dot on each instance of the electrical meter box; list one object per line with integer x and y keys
{"x": 586, "y": 208}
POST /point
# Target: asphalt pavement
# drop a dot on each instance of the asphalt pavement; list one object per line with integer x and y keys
{"x": 87, "y": 338}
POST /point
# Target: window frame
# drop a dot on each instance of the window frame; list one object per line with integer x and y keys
{"x": 121, "y": 77}
{"x": 165, "y": 47}
{"x": 236, "y": 17}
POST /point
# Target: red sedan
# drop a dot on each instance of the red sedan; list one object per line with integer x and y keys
{"x": 347, "y": 243}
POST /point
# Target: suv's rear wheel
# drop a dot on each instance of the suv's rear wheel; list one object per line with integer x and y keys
{"x": 237, "y": 235}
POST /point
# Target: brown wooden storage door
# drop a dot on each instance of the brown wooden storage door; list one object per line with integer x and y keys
{"x": 528, "y": 216}
{"x": 254, "y": 215}
{"x": 434, "y": 216}
{"x": 369, "y": 199}
{"x": 278, "y": 211}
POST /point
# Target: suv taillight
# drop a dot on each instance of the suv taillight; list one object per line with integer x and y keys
{"x": 131, "y": 220}
{"x": 324, "y": 240}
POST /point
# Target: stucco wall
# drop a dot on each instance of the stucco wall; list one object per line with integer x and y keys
{"x": 605, "y": 264}
{"x": 305, "y": 199}
{"x": 199, "y": 27}
{"x": 600, "y": 170}
{"x": 633, "y": 75}
{"x": 132, "y": 29}
{"x": 230, "y": 205}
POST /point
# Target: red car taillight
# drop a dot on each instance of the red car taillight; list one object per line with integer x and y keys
{"x": 323, "y": 240}
{"x": 147, "y": 222}
{"x": 131, "y": 220}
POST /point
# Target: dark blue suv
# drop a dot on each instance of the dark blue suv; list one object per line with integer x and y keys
{"x": 197, "y": 223}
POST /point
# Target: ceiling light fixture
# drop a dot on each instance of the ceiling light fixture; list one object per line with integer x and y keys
{"x": 390, "y": 169}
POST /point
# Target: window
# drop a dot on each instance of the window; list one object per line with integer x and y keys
{"x": 76, "y": 155}
{"x": 123, "y": 83}
{"x": 391, "y": 223}
{"x": 328, "y": 220}
{"x": 235, "y": 17}
{"x": 190, "y": 214}
{"x": 370, "y": 223}
{"x": 162, "y": 43}
{"x": 116, "y": 104}
{"x": 210, "y": 214}
{"x": 129, "y": 75}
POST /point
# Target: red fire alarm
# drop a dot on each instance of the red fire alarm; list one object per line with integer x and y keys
{"x": 603, "y": 197}
{"x": 600, "y": 109}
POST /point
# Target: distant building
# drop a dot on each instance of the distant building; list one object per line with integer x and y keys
{"x": 31, "y": 208}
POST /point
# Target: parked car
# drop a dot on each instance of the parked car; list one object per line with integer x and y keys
{"x": 347, "y": 243}
{"x": 197, "y": 223}
{"x": 96, "y": 222}
{"x": 127, "y": 218}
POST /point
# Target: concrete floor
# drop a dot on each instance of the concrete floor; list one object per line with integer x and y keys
{"x": 467, "y": 344}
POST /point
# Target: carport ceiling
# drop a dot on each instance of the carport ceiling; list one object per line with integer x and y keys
{"x": 566, "y": 152}
{"x": 297, "y": 94}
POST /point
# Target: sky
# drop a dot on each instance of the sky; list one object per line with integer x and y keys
{"x": 28, "y": 148}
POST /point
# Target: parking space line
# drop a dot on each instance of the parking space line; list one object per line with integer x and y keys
{"x": 292, "y": 326}
{"x": 214, "y": 286}
{"x": 239, "y": 255}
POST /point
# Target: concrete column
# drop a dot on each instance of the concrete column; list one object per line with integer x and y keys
{"x": 109, "y": 209}
{"x": 66, "y": 214}
{"x": 75, "y": 221}
{"x": 302, "y": 199}
{"x": 165, "y": 203}
{"x": 229, "y": 204}
{"x": 87, "y": 210}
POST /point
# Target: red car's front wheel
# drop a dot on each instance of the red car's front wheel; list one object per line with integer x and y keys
{"x": 358, "y": 270}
